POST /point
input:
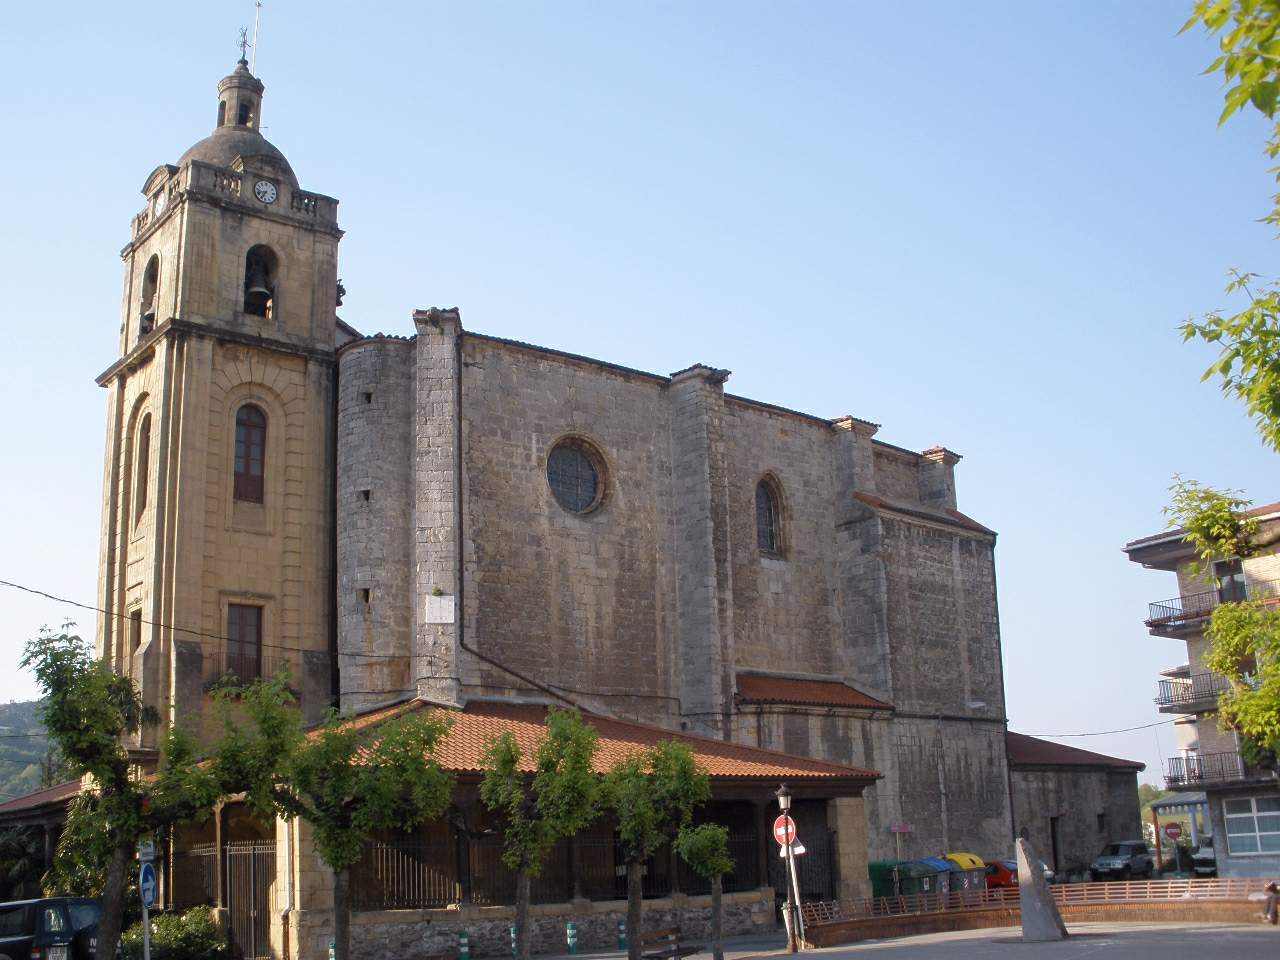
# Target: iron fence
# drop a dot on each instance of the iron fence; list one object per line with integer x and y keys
{"x": 425, "y": 874}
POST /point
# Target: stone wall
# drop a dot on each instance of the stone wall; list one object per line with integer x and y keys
{"x": 374, "y": 540}
{"x": 1091, "y": 807}
{"x": 412, "y": 934}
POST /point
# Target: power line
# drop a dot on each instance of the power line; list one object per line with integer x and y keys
{"x": 1103, "y": 733}
{"x": 187, "y": 630}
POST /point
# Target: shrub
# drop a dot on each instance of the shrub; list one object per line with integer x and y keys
{"x": 189, "y": 936}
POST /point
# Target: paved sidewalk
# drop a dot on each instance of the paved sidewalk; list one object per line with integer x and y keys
{"x": 1165, "y": 941}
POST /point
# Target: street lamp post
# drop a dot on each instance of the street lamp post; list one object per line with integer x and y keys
{"x": 789, "y": 915}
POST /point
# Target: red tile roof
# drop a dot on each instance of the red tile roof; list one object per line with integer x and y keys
{"x": 59, "y": 793}
{"x": 953, "y": 518}
{"x": 758, "y": 688}
{"x": 1024, "y": 751}
{"x": 481, "y": 721}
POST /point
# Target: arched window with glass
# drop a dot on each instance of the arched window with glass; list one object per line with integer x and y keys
{"x": 251, "y": 451}
{"x": 769, "y": 517}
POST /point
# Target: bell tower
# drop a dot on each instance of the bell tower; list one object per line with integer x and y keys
{"x": 216, "y": 540}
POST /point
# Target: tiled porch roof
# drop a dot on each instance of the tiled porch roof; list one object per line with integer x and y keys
{"x": 49, "y": 796}
{"x": 1024, "y": 751}
{"x": 762, "y": 688}
{"x": 481, "y": 721}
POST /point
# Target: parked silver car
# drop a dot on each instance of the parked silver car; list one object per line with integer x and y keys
{"x": 1121, "y": 861}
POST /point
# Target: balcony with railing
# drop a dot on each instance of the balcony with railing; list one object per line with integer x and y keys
{"x": 1175, "y": 615}
{"x": 1206, "y": 769}
{"x": 1194, "y": 694}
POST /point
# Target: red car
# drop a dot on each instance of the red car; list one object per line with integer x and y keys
{"x": 1004, "y": 873}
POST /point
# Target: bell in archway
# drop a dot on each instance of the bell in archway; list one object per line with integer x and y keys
{"x": 257, "y": 289}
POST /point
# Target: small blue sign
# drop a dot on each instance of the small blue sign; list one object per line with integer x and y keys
{"x": 147, "y": 885}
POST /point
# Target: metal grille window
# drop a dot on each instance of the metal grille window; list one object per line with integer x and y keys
{"x": 574, "y": 476}
{"x": 244, "y": 641}
{"x": 768, "y": 535}
{"x": 251, "y": 446}
{"x": 1253, "y": 825}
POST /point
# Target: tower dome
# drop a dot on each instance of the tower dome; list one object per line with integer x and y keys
{"x": 237, "y": 133}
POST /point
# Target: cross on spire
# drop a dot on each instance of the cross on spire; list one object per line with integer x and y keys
{"x": 244, "y": 44}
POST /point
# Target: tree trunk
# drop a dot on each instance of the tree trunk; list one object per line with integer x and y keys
{"x": 522, "y": 914}
{"x": 635, "y": 893}
{"x": 717, "y": 887}
{"x": 113, "y": 893}
{"x": 341, "y": 914}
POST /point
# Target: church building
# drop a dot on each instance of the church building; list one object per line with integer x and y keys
{"x": 481, "y": 524}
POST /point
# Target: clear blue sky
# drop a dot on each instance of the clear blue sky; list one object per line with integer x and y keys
{"x": 978, "y": 226}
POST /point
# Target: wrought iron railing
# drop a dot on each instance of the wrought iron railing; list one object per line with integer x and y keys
{"x": 1196, "y": 689}
{"x": 1205, "y": 768}
{"x": 1192, "y": 606}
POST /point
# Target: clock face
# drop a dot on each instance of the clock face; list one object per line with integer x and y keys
{"x": 265, "y": 191}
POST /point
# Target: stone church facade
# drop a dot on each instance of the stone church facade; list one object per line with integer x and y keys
{"x": 460, "y": 517}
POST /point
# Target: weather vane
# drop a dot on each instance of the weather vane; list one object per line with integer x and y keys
{"x": 244, "y": 44}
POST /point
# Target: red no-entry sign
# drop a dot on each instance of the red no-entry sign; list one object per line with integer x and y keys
{"x": 784, "y": 830}
{"x": 1173, "y": 830}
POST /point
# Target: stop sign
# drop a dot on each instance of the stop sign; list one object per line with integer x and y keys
{"x": 784, "y": 830}
{"x": 1173, "y": 830}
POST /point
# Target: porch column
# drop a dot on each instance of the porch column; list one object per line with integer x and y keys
{"x": 848, "y": 819}
{"x": 1193, "y": 811}
{"x": 219, "y": 856}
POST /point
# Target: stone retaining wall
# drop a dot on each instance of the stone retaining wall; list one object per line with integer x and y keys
{"x": 408, "y": 934}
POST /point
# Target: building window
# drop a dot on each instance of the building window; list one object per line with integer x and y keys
{"x": 251, "y": 447}
{"x": 143, "y": 468}
{"x": 1230, "y": 577}
{"x": 260, "y": 265}
{"x": 575, "y": 472}
{"x": 244, "y": 641}
{"x": 135, "y": 631}
{"x": 768, "y": 517}
{"x": 222, "y": 113}
{"x": 244, "y": 116}
{"x": 147, "y": 302}
{"x": 1253, "y": 825}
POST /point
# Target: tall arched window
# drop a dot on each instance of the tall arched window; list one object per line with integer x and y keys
{"x": 768, "y": 517}
{"x": 142, "y": 470}
{"x": 260, "y": 281}
{"x": 251, "y": 447}
{"x": 222, "y": 113}
{"x": 147, "y": 302}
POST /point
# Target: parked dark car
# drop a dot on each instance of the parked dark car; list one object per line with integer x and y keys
{"x": 1123, "y": 860}
{"x": 54, "y": 928}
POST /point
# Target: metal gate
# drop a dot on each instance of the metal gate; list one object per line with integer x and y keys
{"x": 251, "y": 870}
{"x": 815, "y": 870}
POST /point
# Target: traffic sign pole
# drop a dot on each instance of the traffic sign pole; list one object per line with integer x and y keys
{"x": 146, "y": 892}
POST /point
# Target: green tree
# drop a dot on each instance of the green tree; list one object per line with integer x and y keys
{"x": 345, "y": 779}
{"x": 706, "y": 849}
{"x": 557, "y": 799}
{"x": 652, "y": 793}
{"x": 1248, "y": 364}
{"x": 21, "y": 862}
{"x": 89, "y": 712}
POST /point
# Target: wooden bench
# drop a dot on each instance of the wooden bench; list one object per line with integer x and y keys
{"x": 665, "y": 945}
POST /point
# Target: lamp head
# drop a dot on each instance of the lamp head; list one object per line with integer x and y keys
{"x": 784, "y": 798}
